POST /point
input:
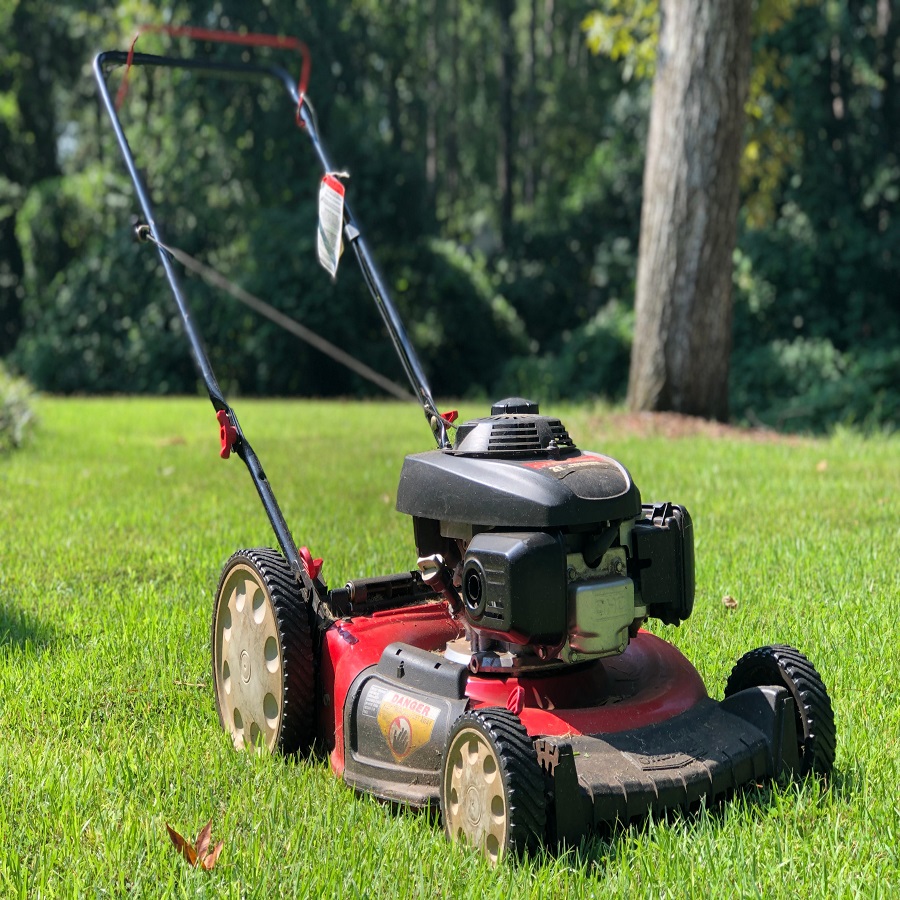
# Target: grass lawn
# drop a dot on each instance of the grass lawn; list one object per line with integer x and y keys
{"x": 117, "y": 517}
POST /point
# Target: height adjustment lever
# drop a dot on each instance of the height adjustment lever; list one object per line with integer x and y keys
{"x": 227, "y": 434}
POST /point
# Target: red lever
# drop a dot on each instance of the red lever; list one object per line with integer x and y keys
{"x": 451, "y": 416}
{"x": 227, "y": 433}
{"x": 313, "y": 566}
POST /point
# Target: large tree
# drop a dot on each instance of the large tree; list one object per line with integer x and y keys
{"x": 683, "y": 307}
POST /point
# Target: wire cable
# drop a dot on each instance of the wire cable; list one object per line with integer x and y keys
{"x": 216, "y": 279}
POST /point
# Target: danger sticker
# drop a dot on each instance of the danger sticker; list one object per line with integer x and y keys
{"x": 405, "y": 722}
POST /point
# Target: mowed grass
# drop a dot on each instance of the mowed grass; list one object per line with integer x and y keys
{"x": 116, "y": 520}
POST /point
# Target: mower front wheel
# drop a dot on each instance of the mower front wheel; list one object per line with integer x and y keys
{"x": 492, "y": 789}
{"x": 262, "y": 652}
{"x": 783, "y": 666}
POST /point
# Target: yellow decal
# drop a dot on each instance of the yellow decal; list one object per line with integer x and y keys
{"x": 405, "y": 722}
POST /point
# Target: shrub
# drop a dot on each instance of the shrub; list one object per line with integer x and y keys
{"x": 809, "y": 385}
{"x": 590, "y": 361}
{"x": 16, "y": 415}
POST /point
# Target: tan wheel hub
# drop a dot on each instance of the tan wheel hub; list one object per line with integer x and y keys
{"x": 249, "y": 669}
{"x": 476, "y": 810}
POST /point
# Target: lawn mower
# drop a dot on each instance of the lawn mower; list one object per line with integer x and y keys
{"x": 505, "y": 677}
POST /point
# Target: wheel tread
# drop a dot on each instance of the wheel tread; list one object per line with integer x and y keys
{"x": 784, "y": 665}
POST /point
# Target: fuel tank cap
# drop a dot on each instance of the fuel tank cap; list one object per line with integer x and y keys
{"x": 515, "y": 406}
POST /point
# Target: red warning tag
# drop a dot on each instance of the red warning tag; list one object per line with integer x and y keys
{"x": 331, "y": 221}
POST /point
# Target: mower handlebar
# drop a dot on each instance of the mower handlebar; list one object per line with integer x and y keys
{"x": 352, "y": 234}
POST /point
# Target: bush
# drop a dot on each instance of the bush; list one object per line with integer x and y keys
{"x": 16, "y": 415}
{"x": 591, "y": 361}
{"x": 807, "y": 384}
{"x": 800, "y": 363}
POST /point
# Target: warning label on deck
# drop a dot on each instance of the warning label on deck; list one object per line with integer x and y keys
{"x": 406, "y": 722}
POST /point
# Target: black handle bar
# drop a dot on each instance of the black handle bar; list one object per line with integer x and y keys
{"x": 404, "y": 348}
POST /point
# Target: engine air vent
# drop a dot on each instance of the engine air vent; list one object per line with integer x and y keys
{"x": 513, "y": 435}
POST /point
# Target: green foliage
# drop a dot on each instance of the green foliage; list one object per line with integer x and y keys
{"x": 100, "y": 319}
{"x": 591, "y": 361}
{"x": 408, "y": 98}
{"x": 234, "y": 181}
{"x": 816, "y": 319}
{"x": 808, "y": 384}
{"x": 16, "y": 410}
{"x": 626, "y": 30}
{"x": 464, "y": 328}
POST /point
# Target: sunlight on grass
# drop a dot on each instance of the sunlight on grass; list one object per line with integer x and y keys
{"x": 116, "y": 518}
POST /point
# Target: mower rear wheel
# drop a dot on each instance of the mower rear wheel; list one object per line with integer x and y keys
{"x": 492, "y": 789}
{"x": 262, "y": 652}
{"x": 784, "y": 666}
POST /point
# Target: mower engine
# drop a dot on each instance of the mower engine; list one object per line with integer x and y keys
{"x": 544, "y": 551}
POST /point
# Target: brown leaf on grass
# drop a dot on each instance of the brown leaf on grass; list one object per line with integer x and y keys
{"x": 182, "y": 845}
{"x": 209, "y": 861}
{"x": 729, "y": 602}
{"x": 822, "y": 465}
{"x": 203, "y": 839}
{"x": 197, "y": 855}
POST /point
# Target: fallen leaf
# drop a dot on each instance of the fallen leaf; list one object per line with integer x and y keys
{"x": 209, "y": 861}
{"x": 182, "y": 845}
{"x": 197, "y": 855}
{"x": 822, "y": 465}
{"x": 729, "y": 602}
{"x": 203, "y": 839}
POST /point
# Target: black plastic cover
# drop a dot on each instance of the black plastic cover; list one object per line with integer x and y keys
{"x": 513, "y": 405}
{"x": 704, "y": 753}
{"x": 397, "y": 717}
{"x": 664, "y": 551}
{"x": 513, "y": 435}
{"x": 514, "y": 585}
{"x": 577, "y": 489}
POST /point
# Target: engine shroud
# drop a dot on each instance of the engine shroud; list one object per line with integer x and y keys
{"x": 550, "y": 546}
{"x": 571, "y": 489}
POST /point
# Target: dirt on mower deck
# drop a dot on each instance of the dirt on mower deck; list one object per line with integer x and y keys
{"x": 676, "y": 425}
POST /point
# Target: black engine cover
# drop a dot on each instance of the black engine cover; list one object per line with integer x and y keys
{"x": 664, "y": 549}
{"x": 575, "y": 489}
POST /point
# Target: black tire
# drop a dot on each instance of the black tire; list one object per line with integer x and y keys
{"x": 492, "y": 789}
{"x": 786, "y": 667}
{"x": 264, "y": 671}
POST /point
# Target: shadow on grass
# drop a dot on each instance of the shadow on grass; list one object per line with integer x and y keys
{"x": 20, "y": 629}
{"x": 599, "y": 846}
{"x": 846, "y": 784}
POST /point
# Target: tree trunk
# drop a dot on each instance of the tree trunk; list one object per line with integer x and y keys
{"x": 683, "y": 310}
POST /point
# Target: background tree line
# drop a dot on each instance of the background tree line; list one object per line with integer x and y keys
{"x": 496, "y": 163}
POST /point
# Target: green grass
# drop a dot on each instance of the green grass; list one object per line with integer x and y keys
{"x": 116, "y": 518}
